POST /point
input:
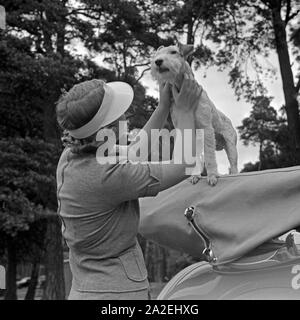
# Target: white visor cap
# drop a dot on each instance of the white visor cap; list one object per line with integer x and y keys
{"x": 117, "y": 99}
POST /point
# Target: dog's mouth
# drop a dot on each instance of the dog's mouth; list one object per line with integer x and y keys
{"x": 163, "y": 69}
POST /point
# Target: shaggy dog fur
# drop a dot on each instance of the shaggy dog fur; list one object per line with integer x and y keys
{"x": 168, "y": 65}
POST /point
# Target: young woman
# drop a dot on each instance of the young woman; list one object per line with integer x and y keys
{"x": 98, "y": 203}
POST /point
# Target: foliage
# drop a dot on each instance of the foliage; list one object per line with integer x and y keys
{"x": 262, "y": 124}
{"x": 238, "y": 36}
{"x": 269, "y": 130}
{"x": 38, "y": 59}
{"x": 27, "y": 192}
{"x": 28, "y": 84}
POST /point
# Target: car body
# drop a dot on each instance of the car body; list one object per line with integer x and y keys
{"x": 271, "y": 275}
{"x": 23, "y": 283}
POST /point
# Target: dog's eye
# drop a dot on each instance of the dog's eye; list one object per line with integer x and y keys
{"x": 174, "y": 52}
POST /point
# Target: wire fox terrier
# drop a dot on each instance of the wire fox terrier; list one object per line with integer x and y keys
{"x": 167, "y": 65}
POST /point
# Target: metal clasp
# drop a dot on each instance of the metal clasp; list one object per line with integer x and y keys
{"x": 207, "y": 252}
{"x": 189, "y": 213}
{"x": 209, "y": 255}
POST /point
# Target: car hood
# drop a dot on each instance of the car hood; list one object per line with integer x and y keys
{"x": 275, "y": 275}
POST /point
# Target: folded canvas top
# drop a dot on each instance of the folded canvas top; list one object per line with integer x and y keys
{"x": 240, "y": 213}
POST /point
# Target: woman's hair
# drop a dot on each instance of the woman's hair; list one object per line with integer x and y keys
{"x": 76, "y": 108}
{"x": 79, "y": 146}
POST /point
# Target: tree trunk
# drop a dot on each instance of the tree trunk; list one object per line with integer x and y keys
{"x": 260, "y": 156}
{"x": 61, "y": 33}
{"x": 54, "y": 287}
{"x": 164, "y": 264}
{"x": 54, "y": 269}
{"x": 148, "y": 256}
{"x": 47, "y": 31}
{"x": 11, "y": 272}
{"x": 30, "y": 294}
{"x": 190, "y": 36}
{"x": 190, "y": 32}
{"x": 289, "y": 89}
{"x": 61, "y": 42}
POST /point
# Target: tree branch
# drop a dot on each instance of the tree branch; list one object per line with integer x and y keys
{"x": 85, "y": 12}
{"x": 141, "y": 76}
{"x": 293, "y": 15}
{"x": 139, "y": 64}
{"x": 234, "y": 22}
{"x": 288, "y": 11}
{"x": 200, "y": 12}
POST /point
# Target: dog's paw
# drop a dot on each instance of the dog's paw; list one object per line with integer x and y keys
{"x": 212, "y": 179}
{"x": 194, "y": 179}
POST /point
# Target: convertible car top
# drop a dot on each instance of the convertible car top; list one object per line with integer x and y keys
{"x": 242, "y": 214}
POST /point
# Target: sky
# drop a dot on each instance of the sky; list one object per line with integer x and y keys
{"x": 220, "y": 92}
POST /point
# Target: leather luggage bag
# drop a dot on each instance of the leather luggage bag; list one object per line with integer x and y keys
{"x": 225, "y": 222}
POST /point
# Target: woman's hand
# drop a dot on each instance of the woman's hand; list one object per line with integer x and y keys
{"x": 186, "y": 100}
{"x": 165, "y": 95}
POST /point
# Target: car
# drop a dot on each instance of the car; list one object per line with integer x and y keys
{"x": 23, "y": 283}
{"x": 269, "y": 275}
{"x": 235, "y": 229}
{"x": 41, "y": 281}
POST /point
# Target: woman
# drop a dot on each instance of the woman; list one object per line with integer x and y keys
{"x": 98, "y": 203}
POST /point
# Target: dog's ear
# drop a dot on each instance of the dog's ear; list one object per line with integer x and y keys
{"x": 185, "y": 49}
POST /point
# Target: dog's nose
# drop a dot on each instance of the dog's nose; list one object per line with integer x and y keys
{"x": 159, "y": 62}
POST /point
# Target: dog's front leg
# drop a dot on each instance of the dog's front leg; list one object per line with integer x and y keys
{"x": 210, "y": 155}
{"x": 199, "y": 166}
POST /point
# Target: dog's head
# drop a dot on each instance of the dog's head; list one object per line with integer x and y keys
{"x": 167, "y": 62}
